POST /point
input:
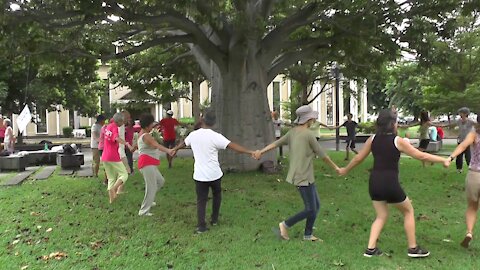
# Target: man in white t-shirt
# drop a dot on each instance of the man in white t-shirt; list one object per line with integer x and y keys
{"x": 207, "y": 173}
{"x": 95, "y": 139}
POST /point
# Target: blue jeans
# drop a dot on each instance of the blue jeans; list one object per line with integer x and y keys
{"x": 312, "y": 206}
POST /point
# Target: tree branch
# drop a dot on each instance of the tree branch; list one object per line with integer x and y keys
{"x": 289, "y": 59}
{"x": 151, "y": 43}
{"x": 288, "y": 25}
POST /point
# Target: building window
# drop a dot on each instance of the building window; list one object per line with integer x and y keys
{"x": 41, "y": 120}
{"x": 276, "y": 97}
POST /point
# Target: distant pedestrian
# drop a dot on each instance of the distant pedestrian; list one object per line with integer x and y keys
{"x": 95, "y": 141}
{"x": 2, "y": 130}
{"x": 148, "y": 161}
{"x": 207, "y": 173}
{"x": 9, "y": 141}
{"x": 351, "y": 127}
{"x": 167, "y": 126}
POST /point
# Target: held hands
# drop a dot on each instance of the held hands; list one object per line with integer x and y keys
{"x": 171, "y": 152}
{"x": 447, "y": 162}
{"x": 341, "y": 171}
{"x": 257, "y": 154}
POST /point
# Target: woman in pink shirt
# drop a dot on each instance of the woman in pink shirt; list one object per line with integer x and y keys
{"x": 114, "y": 168}
{"x": 2, "y": 130}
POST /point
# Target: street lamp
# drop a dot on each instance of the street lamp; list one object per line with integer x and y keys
{"x": 336, "y": 73}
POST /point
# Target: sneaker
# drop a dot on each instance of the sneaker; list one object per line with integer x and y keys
{"x": 154, "y": 204}
{"x": 312, "y": 238}
{"x": 372, "y": 252}
{"x": 418, "y": 252}
{"x": 214, "y": 223}
{"x": 148, "y": 214}
{"x": 466, "y": 241}
{"x": 200, "y": 230}
{"x": 459, "y": 170}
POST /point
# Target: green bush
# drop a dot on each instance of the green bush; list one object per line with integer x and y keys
{"x": 88, "y": 130}
{"x": 367, "y": 127}
{"x": 68, "y": 132}
{"x": 187, "y": 120}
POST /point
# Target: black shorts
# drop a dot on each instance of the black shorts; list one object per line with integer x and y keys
{"x": 384, "y": 186}
{"x": 424, "y": 143}
{"x": 351, "y": 143}
{"x": 169, "y": 143}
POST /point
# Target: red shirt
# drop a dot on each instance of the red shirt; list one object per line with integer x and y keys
{"x": 167, "y": 126}
{"x": 146, "y": 160}
{"x": 440, "y": 132}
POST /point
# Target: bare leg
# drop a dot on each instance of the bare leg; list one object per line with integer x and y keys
{"x": 113, "y": 192}
{"x": 381, "y": 208}
{"x": 409, "y": 221}
{"x": 470, "y": 220}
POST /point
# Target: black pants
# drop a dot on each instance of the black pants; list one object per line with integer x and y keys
{"x": 202, "y": 189}
{"x": 459, "y": 160}
{"x": 129, "y": 158}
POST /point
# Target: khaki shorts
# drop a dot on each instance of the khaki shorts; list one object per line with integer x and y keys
{"x": 96, "y": 157}
{"x": 472, "y": 186}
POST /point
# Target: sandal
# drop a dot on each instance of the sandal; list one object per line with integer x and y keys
{"x": 466, "y": 241}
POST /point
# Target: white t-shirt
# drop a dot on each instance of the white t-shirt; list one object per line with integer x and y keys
{"x": 121, "y": 146}
{"x": 205, "y": 144}
{"x": 95, "y": 137}
{"x": 277, "y": 126}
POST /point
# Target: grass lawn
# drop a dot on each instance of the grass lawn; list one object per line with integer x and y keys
{"x": 95, "y": 235}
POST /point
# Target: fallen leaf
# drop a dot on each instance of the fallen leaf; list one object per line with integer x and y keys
{"x": 24, "y": 267}
{"x": 39, "y": 227}
{"x": 34, "y": 214}
{"x": 49, "y": 230}
{"x": 15, "y": 241}
{"x": 447, "y": 240}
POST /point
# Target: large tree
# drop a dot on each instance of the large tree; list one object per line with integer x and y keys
{"x": 241, "y": 45}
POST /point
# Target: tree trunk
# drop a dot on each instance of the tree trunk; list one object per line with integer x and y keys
{"x": 239, "y": 98}
{"x": 196, "y": 99}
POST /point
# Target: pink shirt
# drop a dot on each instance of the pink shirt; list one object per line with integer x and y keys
{"x": 146, "y": 160}
{"x": 110, "y": 144}
{"x": 2, "y": 131}
{"x": 102, "y": 138}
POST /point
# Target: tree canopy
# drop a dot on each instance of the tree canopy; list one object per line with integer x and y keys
{"x": 241, "y": 45}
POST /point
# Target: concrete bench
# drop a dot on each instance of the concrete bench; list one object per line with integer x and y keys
{"x": 70, "y": 161}
{"x": 434, "y": 147}
{"x": 37, "y": 158}
{"x": 17, "y": 163}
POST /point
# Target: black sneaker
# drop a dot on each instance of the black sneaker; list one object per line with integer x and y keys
{"x": 372, "y": 252}
{"x": 199, "y": 230}
{"x": 418, "y": 252}
{"x": 214, "y": 223}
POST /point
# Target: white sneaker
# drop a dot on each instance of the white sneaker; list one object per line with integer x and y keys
{"x": 148, "y": 214}
{"x": 154, "y": 204}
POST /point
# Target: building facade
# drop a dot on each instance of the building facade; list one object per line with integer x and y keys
{"x": 51, "y": 123}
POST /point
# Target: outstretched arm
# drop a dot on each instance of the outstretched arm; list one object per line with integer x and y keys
{"x": 408, "y": 149}
{"x": 238, "y": 148}
{"x": 148, "y": 139}
{"x": 469, "y": 140}
{"x": 367, "y": 148}
{"x": 180, "y": 145}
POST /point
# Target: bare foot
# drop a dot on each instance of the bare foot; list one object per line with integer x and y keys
{"x": 283, "y": 231}
{"x": 112, "y": 195}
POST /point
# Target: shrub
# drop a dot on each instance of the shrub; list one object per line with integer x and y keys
{"x": 367, "y": 127}
{"x": 187, "y": 120}
{"x": 67, "y": 132}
